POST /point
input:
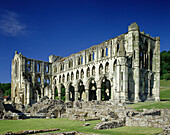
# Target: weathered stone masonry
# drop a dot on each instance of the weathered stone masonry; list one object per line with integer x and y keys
{"x": 122, "y": 69}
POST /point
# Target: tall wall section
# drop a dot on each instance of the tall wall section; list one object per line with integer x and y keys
{"x": 122, "y": 69}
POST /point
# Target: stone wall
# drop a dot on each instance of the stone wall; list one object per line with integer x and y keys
{"x": 122, "y": 69}
{"x": 118, "y": 115}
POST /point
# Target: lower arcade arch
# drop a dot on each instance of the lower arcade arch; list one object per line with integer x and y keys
{"x": 81, "y": 91}
{"x": 56, "y": 93}
{"x": 71, "y": 92}
{"x": 63, "y": 91}
{"x": 105, "y": 89}
{"x": 92, "y": 90}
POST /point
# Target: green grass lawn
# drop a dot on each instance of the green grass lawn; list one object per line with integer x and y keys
{"x": 68, "y": 125}
{"x": 150, "y": 105}
{"x": 165, "y": 90}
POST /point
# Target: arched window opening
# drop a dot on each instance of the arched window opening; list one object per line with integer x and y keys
{"x": 93, "y": 70}
{"x": 106, "y": 51}
{"x": 82, "y": 73}
{"x": 38, "y": 67}
{"x": 93, "y": 56}
{"x": 89, "y": 57}
{"x": 29, "y": 78}
{"x": 107, "y": 67}
{"x": 117, "y": 47}
{"x": 63, "y": 78}
{"x": 82, "y": 60}
{"x": 38, "y": 79}
{"x": 101, "y": 69}
{"x": 92, "y": 90}
{"x": 77, "y": 74}
{"x": 56, "y": 93}
{"x": 88, "y": 72}
{"x": 70, "y": 64}
{"x": 61, "y": 67}
{"x": 68, "y": 77}
{"x": 63, "y": 92}
{"x": 48, "y": 80}
{"x": 72, "y": 76}
{"x": 71, "y": 93}
{"x": 102, "y": 53}
{"x": 29, "y": 65}
{"x": 60, "y": 79}
{"x": 47, "y": 68}
{"x": 55, "y": 69}
{"x": 105, "y": 89}
{"x": 81, "y": 91}
{"x": 79, "y": 61}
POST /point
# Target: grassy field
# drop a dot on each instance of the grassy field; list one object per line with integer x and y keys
{"x": 68, "y": 125}
{"x": 150, "y": 105}
{"x": 165, "y": 90}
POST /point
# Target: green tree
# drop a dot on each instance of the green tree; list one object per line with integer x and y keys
{"x": 6, "y": 88}
{"x": 165, "y": 65}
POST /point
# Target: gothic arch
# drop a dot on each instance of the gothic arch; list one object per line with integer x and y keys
{"x": 107, "y": 67}
{"x": 92, "y": 89}
{"x": 100, "y": 69}
{"x": 105, "y": 88}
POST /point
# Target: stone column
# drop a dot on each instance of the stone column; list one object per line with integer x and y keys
{"x": 76, "y": 94}
{"x": 59, "y": 91}
{"x": 99, "y": 94}
{"x": 149, "y": 45}
{"x": 67, "y": 94}
{"x": 157, "y": 70}
{"x": 136, "y": 67}
{"x": 28, "y": 94}
{"x": 87, "y": 94}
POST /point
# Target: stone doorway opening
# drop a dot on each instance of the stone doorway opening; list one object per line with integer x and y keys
{"x": 71, "y": 93}
{"x": 92, "y": 90}
{"x": 105, "y": 89}
{"x": 81, "y": 91}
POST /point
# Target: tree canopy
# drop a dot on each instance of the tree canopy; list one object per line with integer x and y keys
{"x": 165, "y": 65}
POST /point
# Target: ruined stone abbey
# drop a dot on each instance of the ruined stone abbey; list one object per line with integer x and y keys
{"x": 122, "y": 69}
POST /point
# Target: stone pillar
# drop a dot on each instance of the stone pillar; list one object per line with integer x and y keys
{"x": 157, "y": 70}
{"x": 59, "y": 91}
{"x": 149, "y": 46}
{"x": 28, "y": 94}
{"x": 42, "y": 85}
{"x": 42, "y": 92}
{"x": 87, "y": 94}
{"x": 99, "y": 94}
{"x": 134, "y": 31}
{"x": 118, "y": 82}
{"x": 67, "y": 94}
{"x": 76, "y": 94}
{"x": 124, "y": 74}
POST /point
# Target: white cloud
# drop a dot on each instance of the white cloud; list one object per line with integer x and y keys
{"x": 10, "y": 24}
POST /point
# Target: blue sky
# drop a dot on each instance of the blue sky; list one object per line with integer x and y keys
{"x": 39, "y": 28}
